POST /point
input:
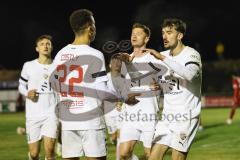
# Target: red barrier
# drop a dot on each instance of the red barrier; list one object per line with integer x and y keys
{"x": 217, "y": 101}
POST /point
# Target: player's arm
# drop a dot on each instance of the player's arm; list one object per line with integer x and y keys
{"x": 23, "y": 85}
{"x": 106, "y": 94}
{"x": 23, "y": 81}
{"x": 128, "y": 67}
{"x": 123, "y": 91}
{"x": 189, "y": 71}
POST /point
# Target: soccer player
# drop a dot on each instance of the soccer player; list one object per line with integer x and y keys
{"x": 110, "y": 110}
{"x": 182, "y": 102}
{"x": 79, "y": 71}
{"x": 41, "y": 122}
{"x": 236, "y": 97}
{"x": 140, "y": 119}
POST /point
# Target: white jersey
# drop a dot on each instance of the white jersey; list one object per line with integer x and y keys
{"x": 110, "y": 107}
{"x": 143, "y": 114}
{"x": 32, "y": 75}
{"x": 79, "y": 70}
{"x": 185, "y": 75}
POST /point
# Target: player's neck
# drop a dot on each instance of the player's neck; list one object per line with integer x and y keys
{"x": 115, "y": 73}
{"x": 178, "y": 49}
{"x": 79, "y": 40}
{"x": 44, "y": 59}
{"x": 137, "y": 51}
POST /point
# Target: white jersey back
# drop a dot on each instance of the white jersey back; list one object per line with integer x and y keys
{"x": 78, "y": 70}
{"x": 184, "y": 96}
{"x": 32, "y": 76}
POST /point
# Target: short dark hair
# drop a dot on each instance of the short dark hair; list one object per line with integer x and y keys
{"x": 115, "y": 56}
{"x": 179, "y": 25}
{"x": 144, "y": 27}
{"x": 44, "y": 36}
{"x": 80, "y": 19}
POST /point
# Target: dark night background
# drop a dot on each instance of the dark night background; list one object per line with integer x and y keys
{"x": 208, "y": 23}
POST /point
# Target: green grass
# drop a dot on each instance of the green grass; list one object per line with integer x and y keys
{"x": 217, "y": 141}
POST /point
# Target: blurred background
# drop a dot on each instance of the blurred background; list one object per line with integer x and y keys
{"x": 212, "y": 29}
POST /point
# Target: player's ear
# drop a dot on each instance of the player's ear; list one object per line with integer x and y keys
{"x": 36, "y": 48}
{"x": 147, "y": 39}
{"x": 180, "y": 36}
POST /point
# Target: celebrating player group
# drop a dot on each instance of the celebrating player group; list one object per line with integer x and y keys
{"x": 74, "y": 91}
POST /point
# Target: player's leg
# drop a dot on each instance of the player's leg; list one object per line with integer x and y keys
{"x": 72, "y": 147}
{"x": 231, "y": 115}
{"x": 126, "y": 149}
{"x": 49, "y": 132}
{"x": 147, "y": 139}
{"x": 236, "y": 102}
{"x": 177, "y": 155}
{"x": 59, "y": 142}
{"x": 33, "y": 130}
{"x": 49, "y": 146}
{"x": 158, "y": 151}
{"x": 113, "y": 138}
{"x": 161, "y": 141}
{"x": 129, "y": 136}
{"x": 94, "y": 144}
{"x": 182, "y": 142}
{"x": 34, "y": 150}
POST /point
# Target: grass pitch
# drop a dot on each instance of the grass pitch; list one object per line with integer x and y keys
{"x": 217, "y": 141}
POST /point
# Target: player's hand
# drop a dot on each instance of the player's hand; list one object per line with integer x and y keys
{"x": 154, "y": 86}
{"x": 125, "y": 57}
{"x": 33, "y": 95}
{"x": 132, "y": 98}
{"x": 119, "y": 106}
{"x": 155, "y": 53}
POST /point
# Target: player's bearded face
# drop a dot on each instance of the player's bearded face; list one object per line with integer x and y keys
{"x": 138, "y": 37}
{"x": 44, "y": 47}
{"x": 170, "y": 39}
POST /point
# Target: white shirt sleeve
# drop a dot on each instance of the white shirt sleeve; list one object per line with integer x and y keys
{"x": 23, "y": 81}
{"x": 105, "y": 93}
{"x": 189, "y": 71}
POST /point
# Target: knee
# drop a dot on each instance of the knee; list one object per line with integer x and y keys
{"x": 49, "y": 151}
{"x": 33, "y": 155}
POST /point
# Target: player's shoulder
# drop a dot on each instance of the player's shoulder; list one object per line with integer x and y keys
{"x": 30, "y": 63}
{"x": 165, "y": 53}
{"x": 91, "y": 51}
{"x": 192, "y": 52}
{"x": 192, "y": 55}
